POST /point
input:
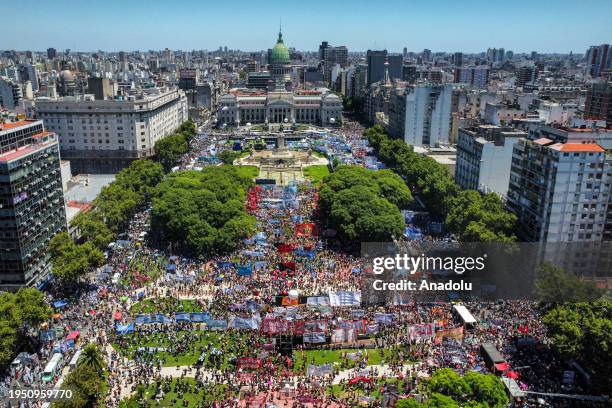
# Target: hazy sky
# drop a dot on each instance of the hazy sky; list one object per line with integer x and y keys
{"x": 440, "y": 25}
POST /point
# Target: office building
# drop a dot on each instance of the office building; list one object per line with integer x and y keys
{"x": 428, "y": 114}
{"x": 484, "y": 155}
{"x": 599, "y": 102}
{"x": 51, "y": 53}
{"x": 188, "y": 78}
{"x": 410, "y": 74}
{"x": 477, "y": 76}
{"x": 376, "y": 66}
{"x": 458, "y": 59}
{"x": 31, "y": 202}
{"x": 103, "y": 136}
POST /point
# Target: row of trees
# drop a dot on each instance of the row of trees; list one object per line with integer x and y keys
{"x": 583, "y": 332}
{"x": 19, "y": 312}
{"x": 111, "y": 213}
{"x": 203, "y": 211}
{"x": 364, "y": 205}
{"x": 474, "y": 217}
{"x": 447, "y": 389}
{"x": 170, "y": 149}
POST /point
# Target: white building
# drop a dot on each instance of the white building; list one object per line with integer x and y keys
{"x": 241, "y": 106}
{"x": 553, "y": 112}
{"x": 428, "y": 114}
{"x": 559, "y": 191}
{"x": 484, "y": 156}
{"x": 103, "y": 136}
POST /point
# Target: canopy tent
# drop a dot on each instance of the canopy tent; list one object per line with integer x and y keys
{"x": 73, "y": 335}
{"x": 502, "y": 366}
{"x": 512, "y": 374}
{"x": 58, "y": 304}
{"x": 117, "y": 315}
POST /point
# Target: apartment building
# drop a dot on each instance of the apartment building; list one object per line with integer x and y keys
{"x": 103, "y": 136}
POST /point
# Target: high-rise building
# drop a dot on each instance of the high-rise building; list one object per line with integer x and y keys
{"x": 426, "y": 55}
{"x": 559, "y": 191}
{"x": 525, "y": 75}
{"x": 477, "y": 76}
{"x": 410, "y": 73}
{"x": 28, "y": 72}
{"x": 51, "y": 53}
{"x": 103, "y": 136}
{"x": 599, "y": 102}
{"x": 376, "y": 66}
{"x": 428, "y": 114}
{"x": 188, "y": 78}
{"x": 484, "y": 155}
{"x": 31, "y": 202}
{"x": 10, "y": 93}
{"x": 598, "y": 59}
{"x": 458, "y": 59}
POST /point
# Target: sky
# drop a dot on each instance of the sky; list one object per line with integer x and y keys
{"x": 439, "y": 25}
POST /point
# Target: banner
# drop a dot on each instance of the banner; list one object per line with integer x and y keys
{"x": 217, "y": 324}
{"x": 225, "y": 265}
{"x": 124, "y": 328}
{"x": 317, "y": 301}
{"x": 284, "y": 248}
{"x": 341, "y": 335}
{"x": 305, "y": 229}
{"x": 244, "y": 270}
{"x": 250, "y": 363}
{"x": 319, "y": 371}
{"x": 344, "y": 298}
{"x": 384, "y": 318}
{"x": 260, "y": 265}
{"x": 314, "y": 337}
{"x": 421, "y": 331}
{"x": 182, "y": 317}
{"x": 142, "y": 319}
{"x": 287, "y": 301}
{"x": 244, "y": 323}
{"x": 199, "y": 317}
{"x": 456, "y": 333}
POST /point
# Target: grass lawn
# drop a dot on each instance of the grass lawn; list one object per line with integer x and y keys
{"x": 144, "y": 265}
{"x": 194, "y": 395}
{"x": 248, "y": 171}
{"x": 319, "y": 357}
{"x": 316, "y": 173}
{"x": 234, "y": 343}
{"x": 166, "y": 305}
{"x": 342, "y": 391}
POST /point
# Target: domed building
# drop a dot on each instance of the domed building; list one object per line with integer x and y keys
{"x": 279, "y": 104}
{"x": 280, "y": 64}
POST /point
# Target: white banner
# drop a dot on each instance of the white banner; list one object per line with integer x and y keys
{"x": 343, "y": 298}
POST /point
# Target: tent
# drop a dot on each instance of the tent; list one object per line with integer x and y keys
{"x": 73, "y": 335}
{"x": 512, "y": 374}
{"x": 359, "y": 379}
{"x": 465, "y": 314}
{"x": 58, "y": 304}
{"x": 117, "y": 315}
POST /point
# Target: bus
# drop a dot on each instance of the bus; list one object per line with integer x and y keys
{"x": 75, "y": 359}
{"x": 50, "y": 369}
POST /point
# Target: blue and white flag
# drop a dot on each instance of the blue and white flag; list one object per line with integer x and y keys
{"x": 314, "y": 337}
{"x": 344, "y": 298}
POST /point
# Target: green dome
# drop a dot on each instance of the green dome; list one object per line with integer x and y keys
{"x": 280, "y": 52}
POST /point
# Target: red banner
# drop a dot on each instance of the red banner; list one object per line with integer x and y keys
{"x": 305, "y": 230}
{"x": 250, "y": 363}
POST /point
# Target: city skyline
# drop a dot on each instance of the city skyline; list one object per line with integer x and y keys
{"x": 137, "y": 26}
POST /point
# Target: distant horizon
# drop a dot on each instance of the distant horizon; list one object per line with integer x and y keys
{"x": 471, "y": 28}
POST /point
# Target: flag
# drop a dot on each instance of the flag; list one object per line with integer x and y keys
{"x": 314, "y": 337}
{"x": 344, "y": 298}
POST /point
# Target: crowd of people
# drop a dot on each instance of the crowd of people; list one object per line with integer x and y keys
{"x": 271, "y": 304}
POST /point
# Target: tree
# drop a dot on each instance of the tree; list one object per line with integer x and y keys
{"x": 362, "y": 205}
{"x": 85, "y": 382}
{"x": 93, "y": 229}
{"x": 228, "y": 156}
{"x": 447, "y": 382}
{"x": 203, "y": 211}
{"x": 71, "y": 261}
{"x": 33, "y": 310}
{"x": 485, "y": 390}
{"x": 555, "y": 285}
{"x": 583, "y": 331}
{"x": 408, "y": 403}
{"x": 91, "y": 357}
{"x": 10, "y": 323}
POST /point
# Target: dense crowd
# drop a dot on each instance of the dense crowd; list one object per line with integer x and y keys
{"x": 283, "y": 269}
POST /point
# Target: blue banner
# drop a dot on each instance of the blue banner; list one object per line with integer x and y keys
{"x": 244, "y": 270}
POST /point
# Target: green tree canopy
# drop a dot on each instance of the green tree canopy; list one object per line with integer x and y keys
{"x": 71, "y": 261}
{"x": 203, "y": 211}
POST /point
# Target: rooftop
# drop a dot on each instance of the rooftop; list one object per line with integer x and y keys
{"x": 578, "y": 147}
